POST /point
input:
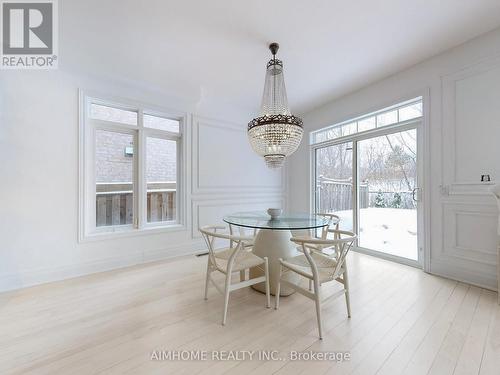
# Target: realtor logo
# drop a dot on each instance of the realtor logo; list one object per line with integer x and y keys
{"x": 29, "y": 34}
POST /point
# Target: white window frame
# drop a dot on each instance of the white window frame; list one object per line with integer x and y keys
{"x": 418, "y": 123}
{"x": 374, "y": 115}
{"x": 88, "y": 231}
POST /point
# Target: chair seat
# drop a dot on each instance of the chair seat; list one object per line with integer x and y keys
{"x": 325, "y": 265}
{"x": 248, "y": 243}
{"x": 321, "y": 248}
{"x": 244, "y": 259}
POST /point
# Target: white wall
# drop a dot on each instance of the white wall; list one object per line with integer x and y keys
{"x": 39, "y": 178}
{"x": 462, "y": 89}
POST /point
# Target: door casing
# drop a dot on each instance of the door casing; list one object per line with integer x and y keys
{"x": 418, "y": 125}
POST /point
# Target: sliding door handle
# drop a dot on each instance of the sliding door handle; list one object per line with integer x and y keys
{"x": 415, "y": 194}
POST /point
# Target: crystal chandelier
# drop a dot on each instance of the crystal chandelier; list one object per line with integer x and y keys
{"x": 277, "y": 133}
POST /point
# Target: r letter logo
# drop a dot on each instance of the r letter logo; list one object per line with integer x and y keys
{"x": 29, "y": 34}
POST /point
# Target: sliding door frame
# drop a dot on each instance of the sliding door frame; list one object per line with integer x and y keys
{"x": 418, "y": 125}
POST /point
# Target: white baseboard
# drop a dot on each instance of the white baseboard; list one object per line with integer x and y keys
{"x": 26, "y": 278}
{"x": 480, "y": 279}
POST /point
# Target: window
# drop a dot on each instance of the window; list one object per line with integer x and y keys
{"x": 156, "y": 122}
{"x": 103, "y": 112}
{"x": 130, "y": 163}
{"x": 161, "y": 175}
{"x": 365, "y": 170}
{"x": 394, "y": 115}
{"x": 114, "y": 178}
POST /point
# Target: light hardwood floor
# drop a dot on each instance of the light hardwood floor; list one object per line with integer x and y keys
{"x": 403, "y": 322}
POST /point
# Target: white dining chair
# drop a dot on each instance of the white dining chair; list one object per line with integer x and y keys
{"x": 318, "y": 267}
{"x": 230, "y": 260}
{"x": 333, "y": 223}
{"x": 250, "y": 234}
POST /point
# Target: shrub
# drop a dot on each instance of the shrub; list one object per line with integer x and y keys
{"x": 380, "y": 200}
{"x": 396, "y": 201}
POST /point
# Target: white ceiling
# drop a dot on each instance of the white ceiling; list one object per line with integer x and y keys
{"x": 217, "y": 49}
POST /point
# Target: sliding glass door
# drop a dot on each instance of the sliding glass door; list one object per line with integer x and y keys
{"x": 387, "y": 170}
{"x": 334, "y": 182}
{"x": 371, "y": 181}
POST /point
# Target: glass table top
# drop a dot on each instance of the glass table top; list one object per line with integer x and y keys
{"x": 287, "y": 221}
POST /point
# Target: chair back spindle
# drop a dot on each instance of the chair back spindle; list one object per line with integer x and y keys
{"x": 341, "y": 243}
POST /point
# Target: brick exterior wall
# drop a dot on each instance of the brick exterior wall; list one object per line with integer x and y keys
{"x": 112, "y": 165}
{"x": 161, "y": 159}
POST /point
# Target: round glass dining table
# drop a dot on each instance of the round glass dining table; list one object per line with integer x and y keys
{"x": 273, "y": 239}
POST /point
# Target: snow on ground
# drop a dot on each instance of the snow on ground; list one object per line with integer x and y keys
{"x": 388, "y": 230}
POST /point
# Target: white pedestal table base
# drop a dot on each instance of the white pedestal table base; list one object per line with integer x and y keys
{"x": 273, "y": 244}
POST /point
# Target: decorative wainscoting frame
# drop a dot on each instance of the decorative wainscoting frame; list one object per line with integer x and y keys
{"x": 244, "y": 182}
{"x": 479, "y": 248}
{"x": 451, "y": 183}
{"x": 469, "y": 215}
{"x": 470, "y": 188}
{"x": 468, "y": 251}
{"x": 257, "y": 184}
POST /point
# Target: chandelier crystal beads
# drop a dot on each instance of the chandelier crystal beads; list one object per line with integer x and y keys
{"x": 277, "y": 133}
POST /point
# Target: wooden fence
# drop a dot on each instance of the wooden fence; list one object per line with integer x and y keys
{"x": 115, "y": 204}
{"x": 336, "y": 195}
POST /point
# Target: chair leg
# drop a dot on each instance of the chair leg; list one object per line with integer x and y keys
{"x": 310, "y": 284}
{"x": 226, "y": 297}
{"x": 207, "y": 280}
{"x": 278, "y": 288}
{"x": 242, "y": 275}
{"x": 346, "y": 289}
{"x": 318, "y": 308}
{"x": 268, "y": 292}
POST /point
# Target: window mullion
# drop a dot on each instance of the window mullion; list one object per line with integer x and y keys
{"x": 141, "y": 197}
{"x": 356, "y": 182}
{"x": 155, "y": 133}
{"x": 90, "y": 176}
{"x": 178, "y": 184}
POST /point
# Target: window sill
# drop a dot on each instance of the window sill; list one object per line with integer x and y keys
{"x": 116, "y": 233}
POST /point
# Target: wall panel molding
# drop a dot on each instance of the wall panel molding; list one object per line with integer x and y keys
{"x": 469, "y": 232}
{"x": 455, "y": 184}
{"x": 470, "y": 188}
{"x": 224, "y": 163}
